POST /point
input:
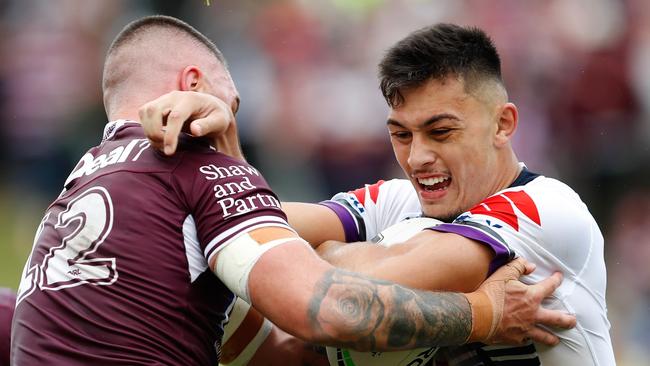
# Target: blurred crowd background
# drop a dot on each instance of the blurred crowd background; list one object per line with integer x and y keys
{"x": 312, "y": 117}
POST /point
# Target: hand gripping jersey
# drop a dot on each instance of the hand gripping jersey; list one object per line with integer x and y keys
{"x": 119, "y": 274}
{"x": 538, "y": 218}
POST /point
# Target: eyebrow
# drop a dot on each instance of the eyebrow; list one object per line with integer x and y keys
{"x": 428, "y": 122}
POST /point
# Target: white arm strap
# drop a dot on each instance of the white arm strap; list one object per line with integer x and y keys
{"x": 236, "y": 260}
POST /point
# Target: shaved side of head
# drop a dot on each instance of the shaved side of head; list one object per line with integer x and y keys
{"x": 147, "y": 56}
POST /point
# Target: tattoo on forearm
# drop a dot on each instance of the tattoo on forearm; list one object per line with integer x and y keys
{"x": 376, "y": 314}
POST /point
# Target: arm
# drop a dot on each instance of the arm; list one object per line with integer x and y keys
{"x": 314, "y": 223}
{"x": 328, "y": 306}
{"x": 324, "y": 305}
{"x": 430, "y": 260}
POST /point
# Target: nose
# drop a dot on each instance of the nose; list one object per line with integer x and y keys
{"x": 420, "y": 155}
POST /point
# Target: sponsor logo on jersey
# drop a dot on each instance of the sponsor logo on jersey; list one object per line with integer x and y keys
{"x": 213, "y": 172}
{"x": 235, "y": 180}
{"x": 90, "y": 164}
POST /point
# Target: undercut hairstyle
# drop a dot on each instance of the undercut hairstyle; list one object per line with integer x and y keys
{"x": 435, "y": 53}
{"x": 135, "y": 28}
{"x": 138, "y": 30}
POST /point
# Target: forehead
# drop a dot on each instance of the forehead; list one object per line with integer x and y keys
{"x": 446, "y": 96}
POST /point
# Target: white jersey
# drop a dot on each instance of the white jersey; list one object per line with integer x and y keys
{"x": 538, "y": 218}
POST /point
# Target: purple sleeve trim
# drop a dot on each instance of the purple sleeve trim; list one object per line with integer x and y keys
{"x": 502, "y": 253}
{"x": 347, "y": 220}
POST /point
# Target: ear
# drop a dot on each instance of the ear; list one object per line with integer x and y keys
{"x": 508, "y": 117}
{"x": 191, "y": 79}
{"x": 234, "y": 106}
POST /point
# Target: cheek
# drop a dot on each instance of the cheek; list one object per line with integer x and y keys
{"x": 470, "y": 166}
{"x": 401, "y": 155}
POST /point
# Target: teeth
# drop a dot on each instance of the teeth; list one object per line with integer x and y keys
{"x": 431, "y": 181}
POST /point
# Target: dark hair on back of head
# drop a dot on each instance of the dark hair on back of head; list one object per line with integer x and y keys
{"x": 132, "y": 30}
{"x": 436, "y": 52}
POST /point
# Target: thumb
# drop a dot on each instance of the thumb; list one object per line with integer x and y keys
{"x": 208, "y": 125}
{"x": 197, "y": 129}
{"x": 516, "y": 268}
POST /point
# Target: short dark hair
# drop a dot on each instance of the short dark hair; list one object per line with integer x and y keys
{"x": 436, "y": 52}
{"x": 133, "y": 29}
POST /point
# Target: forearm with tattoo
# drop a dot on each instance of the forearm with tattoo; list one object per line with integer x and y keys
{"x": 370, "y": 314}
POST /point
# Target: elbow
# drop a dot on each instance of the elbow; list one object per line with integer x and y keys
{"x": 307, "y": 334}
{"x": 313, "y": 333}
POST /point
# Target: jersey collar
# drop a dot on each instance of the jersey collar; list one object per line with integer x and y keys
{"x": 112, "y": 127}
{"x": 524, "y": 177}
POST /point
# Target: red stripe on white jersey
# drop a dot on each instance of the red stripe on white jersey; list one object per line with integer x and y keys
{"x": 373, "y": 189}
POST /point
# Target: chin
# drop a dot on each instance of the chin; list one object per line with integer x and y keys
{"x": 442, "y": 216}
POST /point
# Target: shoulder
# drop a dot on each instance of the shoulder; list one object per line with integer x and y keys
{"x": 544, "y": 206}
{"x": 553, "y": 199}
{"x": 201, "y": 160}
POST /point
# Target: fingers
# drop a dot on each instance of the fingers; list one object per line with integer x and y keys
{"x": 151, "y": 117}
{"x": 162, "y": 120}
{"x": 511, "y": 271}
{"x": 175, "y": 121}
{"x": 555, "y": 318}
{"x": 548, "y": 285}
{"x": 530, "y": 268}
{"x": 215, "y": 124}
{"x": 518, "y": 265}
{"x": 540, "y": 335}
{"x": 202, "y": 114}
{"x": 196, "y": 128}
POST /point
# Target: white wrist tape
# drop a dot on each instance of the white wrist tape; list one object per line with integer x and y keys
{"x": 237, "y": 258}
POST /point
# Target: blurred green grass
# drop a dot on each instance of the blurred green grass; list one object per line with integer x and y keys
{"x": 19, "y": 218}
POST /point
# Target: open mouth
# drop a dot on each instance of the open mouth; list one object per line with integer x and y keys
{"x": 434, "y": 184}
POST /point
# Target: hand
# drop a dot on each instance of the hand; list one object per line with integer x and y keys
{"x": 199, "y": 114}
{"x": 516, "y": 306}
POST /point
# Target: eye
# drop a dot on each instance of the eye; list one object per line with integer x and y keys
{"x": 440, "y": 133}
{"x": 400, "y": 135}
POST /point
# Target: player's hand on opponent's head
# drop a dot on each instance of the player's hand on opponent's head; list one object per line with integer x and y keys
{"x": 516, "y": 310}
{"x": 199, "y": 114}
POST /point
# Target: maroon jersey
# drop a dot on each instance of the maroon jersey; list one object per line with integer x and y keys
{"x": 7, "y": 303}
{"x": 119, "y": 270}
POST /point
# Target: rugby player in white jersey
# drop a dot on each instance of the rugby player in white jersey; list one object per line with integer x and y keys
{"x": 450, "y": 124}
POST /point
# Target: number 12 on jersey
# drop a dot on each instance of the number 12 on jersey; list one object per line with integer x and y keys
{"x": 70, "y": 262}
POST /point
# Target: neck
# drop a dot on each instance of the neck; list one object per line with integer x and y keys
{"x": 125, "y": 102}
{"x": 511, "y": 173}
{"x": 128, "y": 115}
{"x": 126, "y": 108}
